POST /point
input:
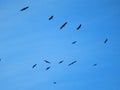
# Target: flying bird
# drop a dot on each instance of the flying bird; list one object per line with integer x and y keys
{"x": 63, "y": 25}
{"x": 50, "y": 18}
{"x": 34, "y": 66}
{"x": 74, "y": 42}
{"x": 79, "y": 27}
{"x": 24, "y": 8}
{"x": 54, "y": 82}
{"x": 61, "y": 62}
{"x": 94, "y": 64}
{"x": 72, "y": 63}
{"x": 105, "y": 40}
{"x": 47, "y": 68}
{"x": 47, "y": 61}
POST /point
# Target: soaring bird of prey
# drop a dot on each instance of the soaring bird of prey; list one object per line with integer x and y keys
{"x": 24, "y": 8}
{"x": 79, "y": 27}
{"x": 105, "y": 40}
{"x": 47, "y": 68}
{"x": 60, "y": 62}
{"x": 94, "y": 65}
{"x": 34, "y": 66}
{"x": 51, "y": 17}
{"x": 47, "y": 61}
{"x": 72, "y": 63}
{"x": 74, "y": 42}
{"x": 63, "y": 25}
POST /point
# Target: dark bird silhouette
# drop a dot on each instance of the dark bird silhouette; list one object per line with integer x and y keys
{"x": 24, "y": 8}
{"x": 63, "y": 25}
{"x": 94, "y": 64}
{"x": 47, "y": 68}
{"x": 79, "y": 27}
{"x": 50, "y": 18}
{"x": 47, "y": 61}
{"x": 72, "y": 63}
{"x": 74, "y": 42}
{"x": 105, "y": 40}
{"x": 34, "y": 66}
{"x": 54, "y": 82}
{"x": 61, "y": 62}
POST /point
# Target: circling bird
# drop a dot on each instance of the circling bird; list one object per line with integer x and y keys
{"x": 51, "y": 17}
{"x": 47, "y": 61}
{"x": 61, "y": 62}
{"x": 24, "y": 8}
{"x": 48, "y": 68}
{"x": 34, "y": 66}
{"x": 63, "y": 25}
{"x": 105, "y": 40}
{"x": 79, "y": 27}
{"x": 72, "y": 63}
{"x": 74, "y": 42}
{"x": 94, "y": 64}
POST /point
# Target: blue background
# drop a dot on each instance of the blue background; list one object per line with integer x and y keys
{"x": 28, "y": 38}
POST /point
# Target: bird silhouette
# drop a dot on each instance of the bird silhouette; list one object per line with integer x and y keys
{"x": 94, "y": 64}
{"x": 79, "y": 27}
{"x": 72, "y": 63}
{"x": 61, "y": 62}
{"x": 74, "y": 42}
{"x": 24, "y": 8}
{"x": 63, "y": 25}
{"x": 54, "y": 82}
{"x": 48, "y": 68}
{"x": 51, "y": 17}
{"x": 34, "y": 66}
{"x": 105, "y": 40}
{"x": 47, "y": 61}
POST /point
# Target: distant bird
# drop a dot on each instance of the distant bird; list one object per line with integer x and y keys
{"x": 54, "y": 82}
{"x": 47, "y": 68}
{"x": 50, "y": 18}
{"x": 72, "y": 63}
{"x": 74, "y": 42}
{"x": 63, "y": 25}
{"x": 24, "y": 8}
{"x": 94, "y": 64}
{"x": 105, "y": 40}
{"x": 61, "y": 62}
{"x": 47, "y": 61}
{"x": 79, "y": 27}
{"x": 34, "y": 66}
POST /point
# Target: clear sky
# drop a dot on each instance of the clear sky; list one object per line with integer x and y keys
{"x": 28, "y": 38}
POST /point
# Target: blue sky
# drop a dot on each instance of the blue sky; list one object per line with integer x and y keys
{"x": 28, "y": 38}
